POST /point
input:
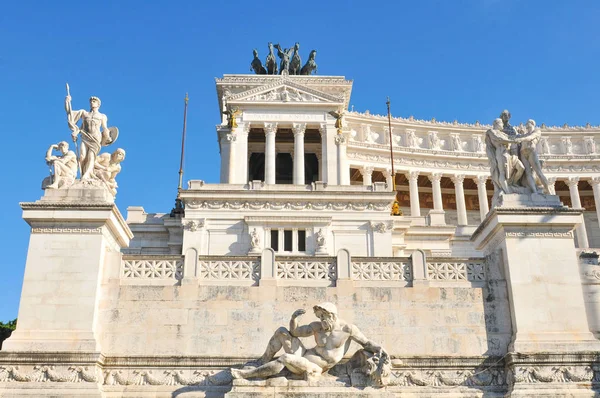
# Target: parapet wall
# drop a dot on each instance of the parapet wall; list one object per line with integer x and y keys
{"x": 226, "y": 307}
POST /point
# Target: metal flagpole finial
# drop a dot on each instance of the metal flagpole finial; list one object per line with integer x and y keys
{"x": 186, "y": 98}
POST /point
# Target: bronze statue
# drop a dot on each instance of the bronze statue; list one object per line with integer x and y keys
{"x": 271, "y": 62}
{"x": 296, "y": 61}
{"x": 285, "y": 56}
{"x": 231, "y": 115}
{"x": 256, "y": 65}
{"x": 310, "y": 65}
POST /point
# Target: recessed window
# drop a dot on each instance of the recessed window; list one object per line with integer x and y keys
{"x": 275, "y": 240}
{"x": 287, "y": 240}
{"x": 301, "y": 240}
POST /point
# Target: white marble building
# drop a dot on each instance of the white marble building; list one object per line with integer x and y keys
{"x": 286, "y": 160}
{"x": 162, "y": 305}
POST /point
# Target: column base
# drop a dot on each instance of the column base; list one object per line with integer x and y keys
{"x": 437, "y": 217}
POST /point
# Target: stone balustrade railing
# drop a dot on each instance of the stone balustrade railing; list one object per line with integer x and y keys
{"x": 151, "y": 269}
{"x": 301, "y": 270}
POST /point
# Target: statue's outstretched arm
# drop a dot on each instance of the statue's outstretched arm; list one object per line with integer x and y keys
{"x": 367, "y": 344}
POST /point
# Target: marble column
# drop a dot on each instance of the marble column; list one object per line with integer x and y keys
{"x": 343, "y": 169}
{"x": 298, "y": 129}
{"x": 241, "y": 153}
{"x": 551, "y": 185}
{"x": 461, "y": 208}
{"x": 227, "y": 143}
{"x": 595, "y": 183}
{"x": 328, "y": 149}
{"x": 582, "y": 240}
{"x": 270, "y": 131}
{"x": 437, "y": 216}
{"x": 435, "y": 179}
{"x": 413, "y": 185}
{"x": 484, "y": 207}
{"x": 389, "y": 179}
{"x": 367, "y": 174}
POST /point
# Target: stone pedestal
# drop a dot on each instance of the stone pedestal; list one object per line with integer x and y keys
{"x": 75, "y": 234}
{"x": 535, "y": 248}
{"x": 530, "y": 238}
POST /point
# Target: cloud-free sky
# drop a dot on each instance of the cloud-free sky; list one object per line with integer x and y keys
{"x": 448, "y": 59}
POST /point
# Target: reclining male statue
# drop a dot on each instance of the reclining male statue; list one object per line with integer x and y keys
{"x": 333, "y": 337}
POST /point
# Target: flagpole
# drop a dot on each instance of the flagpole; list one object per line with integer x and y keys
{"x": 186, "y": 99}
{"x": 178, "y": 210}
{"x": 391, "y": 144}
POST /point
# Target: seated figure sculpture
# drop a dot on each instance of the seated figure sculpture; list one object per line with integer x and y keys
{"x": 107, "y": 167}
{"x": 65, "y": 166}
{"x": 333, "y": 337}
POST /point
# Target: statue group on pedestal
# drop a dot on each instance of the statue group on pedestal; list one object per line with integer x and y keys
{"x": 290, "y": 62}
{"x": 514, "y": 163}
{"x": 95, "y": 168}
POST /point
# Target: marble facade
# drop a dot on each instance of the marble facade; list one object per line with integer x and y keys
{"x": 467, "y": 301}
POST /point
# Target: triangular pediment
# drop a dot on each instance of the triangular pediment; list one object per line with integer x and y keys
{"x": 284, "y": 92}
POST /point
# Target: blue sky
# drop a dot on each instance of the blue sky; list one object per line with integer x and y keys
{"x": 448, "y": 59}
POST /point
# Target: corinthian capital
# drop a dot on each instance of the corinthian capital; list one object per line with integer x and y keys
{"x": 457, "y": 179}
{"x": 340, "y": 139}
{"x": 572, "y": 181}
{"x": 298, "y": 128}
{"x": 366, "y": 170}
{"x": 481, "y": 179}
{"x": 595, "y": 181}
{"x": 412, "y": 175}
{"x": 435, "y": 177}
{"x": 270, "y": 128}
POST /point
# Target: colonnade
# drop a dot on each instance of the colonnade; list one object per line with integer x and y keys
{"x": 334, "y": 168}
{"x": 482, "y": 194}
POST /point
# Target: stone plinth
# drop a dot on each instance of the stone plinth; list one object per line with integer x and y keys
{"x": 75, "y": 234}
{"x": 535, "y": 248}
{"x": 325, "y": 387}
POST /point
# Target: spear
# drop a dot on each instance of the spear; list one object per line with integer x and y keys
{"x": 73, "y": 126}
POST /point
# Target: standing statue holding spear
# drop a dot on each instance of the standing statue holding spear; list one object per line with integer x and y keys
{"x": 92, "y": 138}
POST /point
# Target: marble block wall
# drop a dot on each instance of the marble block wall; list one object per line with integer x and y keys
{"x": 237, "y": 321}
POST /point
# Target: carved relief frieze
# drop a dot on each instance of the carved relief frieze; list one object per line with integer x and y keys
{"x": 45, "y": 373}
{"x": 59, "y": 230}
{"x": 296, "y": 205}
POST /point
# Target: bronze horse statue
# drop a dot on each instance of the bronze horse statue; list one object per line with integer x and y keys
{"x": 271, "y": 61}
{"x": 310, "y": 65}
{"x": 256, "y": 65}
{"x": 296, "y": 61}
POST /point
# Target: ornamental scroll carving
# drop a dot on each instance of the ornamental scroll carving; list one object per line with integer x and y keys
{"x": 49, "y": 373}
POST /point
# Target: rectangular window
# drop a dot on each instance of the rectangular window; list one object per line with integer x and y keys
{"x": 301, "y": 240}
{"x": 287, "y": 240}
{"x": 275, "y": 240}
